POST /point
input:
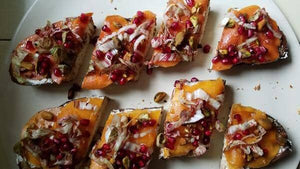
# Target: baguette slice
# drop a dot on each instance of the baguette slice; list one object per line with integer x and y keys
{"x": 180, "y": 33}
{"x": 250, "y": 36}
{"x": 127, "y": 139}
{"x": 120, "y": 50}
{"x": 253, "y": 139}
{"x": 54, "y": 53}
{"x": 192, "y": 117}
{"x": 60, "y": 137}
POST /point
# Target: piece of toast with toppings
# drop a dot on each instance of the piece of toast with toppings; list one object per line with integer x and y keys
{"x": 120, "y": 50}
{"x": 54, "y": 53}
{"x": 60, "y": 137}
{"x": 127, "y": 139}
{"x": 250, "y": 36}
{"x": 180, "y": 33}
{"x": 253, "y": 139}
{"x": 192, "y": 117}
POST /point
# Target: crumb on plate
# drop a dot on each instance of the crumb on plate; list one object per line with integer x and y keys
{"x": 257, "y": 88}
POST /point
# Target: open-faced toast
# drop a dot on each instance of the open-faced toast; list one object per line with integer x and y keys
{"x": 192, "y": 117}
{"x": 120, "y": 50}
{"x": 54, "y": 53}
{"x": 253, "y": 139}
{"x": 127, "y": 139}
{"x": 250, "y": 36}
{"x": 60, "y": 137}
{"x": 180, "y": 33}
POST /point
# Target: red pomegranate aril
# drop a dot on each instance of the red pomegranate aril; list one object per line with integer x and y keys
{"x": 194, "y": 79}
{"x": 237, "y": 117}
{"x": 195, "y": 143}
{"x": 100, "y": 55}
{"x": 231, "y": 48}
{"x": 141, "y": 163}
{"x": 237, "y": 136}
{"x": 190, "y": 3}
{"x": 132, "y": 155}
{"x": 100, "y": 153}
{"x": 123, "y": 81}
{"x": 66, "y": 146}
{"x": 167, "y": 49}
{"x": 269, "y": 34}
{"x": 120, "y": 154}
{"x": 206, "y": 140}
{"x": 241, "y": 30}
{"x": 242, "y": 18}
{"x": 204, "y": 123}
{"x": 140, "y": 14}
{"x": 232, "y": 53}
{"x": 250, "y": 33}
{"x": 38, "y": 31}
{"x": 84, "y": 122}
{"x": 143, "y": 148}
{"x": 86, "y": 134}
{"x": 114, "y": 77}
{"x": 246, "y": 132}
{"x": 207, "y": 133}
{"x": 64, "y": 140}
{"x": 263, "y": 50}
{"x": 59, "y": 156}
{"x": 206, "y": 49}
{"x": 119, "y": 162}
{"x": 225, "y": 61}
{"x": 56, "y": 141}
{"x": 175, "y": 25}
{"x": 188, "y": 24}
{"x": 170, "y": 146}
{"x": 145, "y": 157}
{"x": 74, "y": 150}
{"x": 134, "y": 166}
{"x": 130, "y": 31}
{"x": 84, "y": 18}
{"x": 106, "y": 147}
{"x": 29, "y": 45}
{"x": 149, "y": 71}
{"x": 216, "y": 59}
{"x": 136, "y": 20}
{"x": 106, "y": 29}
{"x": 151, "y": 122}
{"x": 135, "y": 58}
{"x": 195, "y": 132}
{"x": 266, "y": 151}
{"x": 133, "y": 129}
{"x": 57, "y": 72}
{"x": 261, "y": 59}
{"x": 235, "y": 60}
{"x": 171, "y": 140}
{"x": 67, "y": 45}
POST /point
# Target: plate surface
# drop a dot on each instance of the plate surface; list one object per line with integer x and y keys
{"x": 278, "y": 96}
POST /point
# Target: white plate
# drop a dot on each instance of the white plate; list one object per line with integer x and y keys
{"x": 19, "y": 103}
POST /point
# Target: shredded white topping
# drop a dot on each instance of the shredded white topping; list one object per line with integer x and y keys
{"x": 243, "y": 126}
{"x": 138, "y": 41}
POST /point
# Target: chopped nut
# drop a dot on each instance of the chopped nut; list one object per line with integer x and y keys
{"x": 298, "y": 111}
{"x": 257, "y": 88}
{"x": 159, "y": 96}
{"x": 254, "y": 17}
{"x": 291, "y": 86}
{"x": 194, "y": 20}
{"x": 223, "y": 52}
{"x": 179, "y": 38}
{"x": 126, "y": 162}
{"x": 192, "y": 42}
{"x": 47, "y": 115}
{"x": 230, "y": 23}
{"x": 27, "y": 65}
{"x": 117, "y": 25}
{"x": 116, "y": 42}
{"x": 261, "y": 24}
{"x": 245, "y": 53}
{"x": 196, "y": 8}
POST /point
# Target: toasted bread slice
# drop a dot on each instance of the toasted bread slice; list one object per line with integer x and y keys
{"x": 191, "y": 118}
{"x": 54, "y": 53}
{"x": 250, "y": 36}
{"x": 180, "y": 33}
{"x": 120, "y": 50}
{"x": 127, "y": 140}
{"x": 60, "y": 137}
{"x": 253, "y": 139}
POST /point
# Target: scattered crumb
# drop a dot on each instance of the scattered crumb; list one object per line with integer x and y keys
{"x": 291, "y": 86}
{"x": 277, "y": 82}
{"x": 165, "y": 101}
{"x": 237, "y": 88}
{"x": 298, "y": 111}
{"x": 143, "y": 100}
{"x": 282, "y": 88}
{"x": 111, "y": 1}
{"x": 257, "y": 88}
{"x": 275, "y": 98}
{"x": 115, "y": 8}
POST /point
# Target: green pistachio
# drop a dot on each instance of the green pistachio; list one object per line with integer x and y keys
{"x": 206, "y": 113}
{"x": 194, "y": 20}
{"x": 64, "y": 36}
{"x": 126, "y": 162}
{"x": 113, "y": 135}
{"x": 117, "y": 25}
{"x": 261, "y": 24}
{"x": 230, "y": 23}
{"x": 26, "y": 65}
{"x": 223, "y": 52}
{"x": 196, "y": 8}
{"x": 254, "y": 17}
{"x": 245, "y": 53}
{"x": 179, "y": 38}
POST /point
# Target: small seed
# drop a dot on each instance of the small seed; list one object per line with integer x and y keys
{"x": 159, "y": 96}
{"x": 47, "y": 115}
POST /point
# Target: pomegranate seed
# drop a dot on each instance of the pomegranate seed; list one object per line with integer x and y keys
{"x": 149, "y": 70}
{"x": 100, "y": 55}
{"x": 133, "y": 129}
{"x": 119, "y": 162}
{"x": 143, "y": 148}
{"x": 171, "y": 140}
{"x": 195, "y": 143}
{"x": 151, "y": 122}
{"x": 66, "y": 146}
{"x": 246, "y": 132}
{"x": 263, "y": 50}
{"x": 84, "y": 18}
{"x": 225, "y": 61}
{"x": 175, "y": 25}
{"x": 29, "y": 45}
{"x": 206, "y": 49}
{"x": 167, "y": 49}
{"x": 232, "y": 53}
{"x": 58, "y": 36}
{"x": 235, "y": 60}
{"x": 170, "y": 146}
{"x": 206, "y": 140}
{"x": 216, "y": 59}
{"x": 106, "y": 146}
{"x": 254, "y": 24}
{"x": 84, "y": 122}
{"x": 136, "y": 21}
{"x": 74, "y": 150}
{"x": 145, "y": 157}
{"x": 47, "y": 141}
{"x": 141, "y": 163}
{"x": 140, "y": 14}
{"x": 261, "y": 59}
{"x": 269, "y": 34}
{"x": 64, "y": 140}
{"x": 130, "y": 31}
{"x": 123, "y": 81}
{"x": 194, "y": 79}
{"x": 67, "y": 45}
{"x": 57, "y": 72}
{"x": 237, "y": 117}
{"x": 242, "y": 18}
{"x": 100, "y": 153}
{"x": 241, "y": 30}
{"x": 188, "y": 24}
{"x": 38, "y": 31}
{"x": 134, "y": 166}
{"x": 105, "y": 28}
{"x": 231, "y": 48}
{"x": 176, "y": 82}
{"x": 190, "y": 3}
{"x": 237, "y": 136}
{"x": 250, "y": 33}
{"x": 56, "y": 141}
{"x": 121, "y": 153}
{"x": 195, "y": 131}
{"x": 86, "y": 134}
{"x": 204, "y": 123}
{"x": 136, "y": 58}
{"x": 114, "y": 77}
{"x": 266, "y": 151}
{"x": 207, "y": 133}
{"x": 132, "y": 155}
{"x": 59, "y": 156}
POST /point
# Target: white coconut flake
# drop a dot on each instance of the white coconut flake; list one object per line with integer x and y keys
{"x": 243, "y": 126}
{"x": 138, "y": 31}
